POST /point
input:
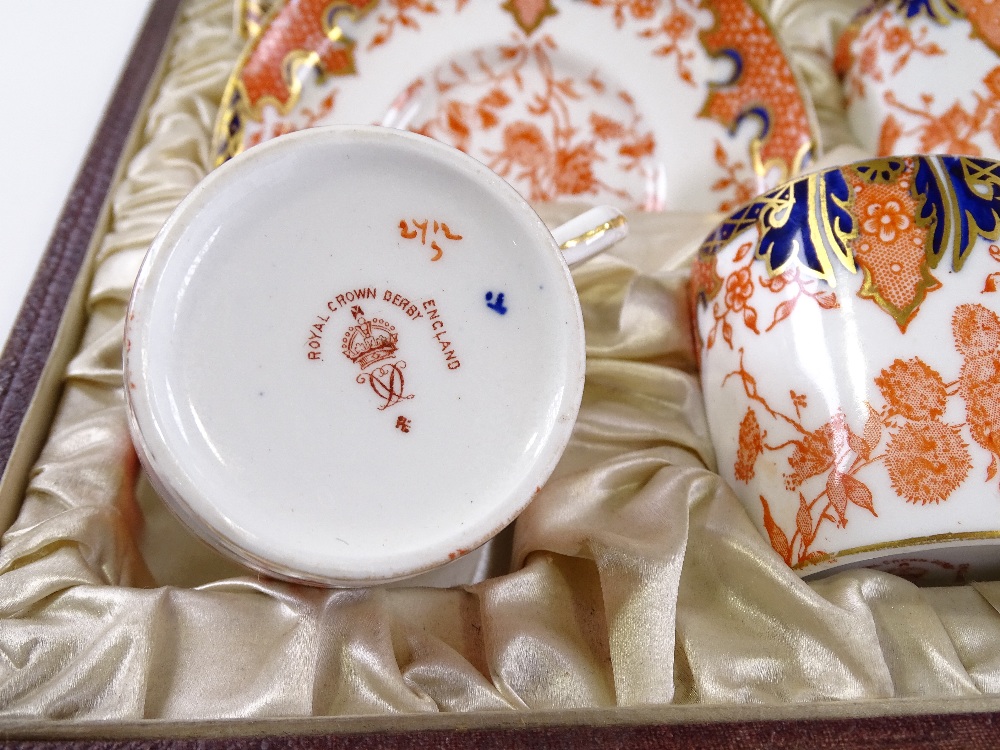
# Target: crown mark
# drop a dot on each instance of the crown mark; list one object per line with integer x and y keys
{"x": 369, "y": 341}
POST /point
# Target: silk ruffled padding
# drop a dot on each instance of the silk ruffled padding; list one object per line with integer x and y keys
{"x": 637, "y": 577}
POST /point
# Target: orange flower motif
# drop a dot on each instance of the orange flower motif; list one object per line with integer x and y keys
{"x": 976, "y": 329}
{"x": 777, "y": 283}
{"x": 574, "y": 173}
{"x": 890, "y": 248}
{"x": 705, "y": 279}
{"x": 868, "y": 63}
{"x": 739, "y": 289}
{"x": 605, "y": 128}
{"x": 677, "y": 25}
{"x": 982, "y": 410}
{"x": 927, "y": 461}
{"x": 895, "y": 37}
{"x": 977, "y": 338}
{"x": 912, "y": 389}
{"x": 885, "y": 219}
{"x": 816, "y": 452}
{"x": 812, "y": 455}
{"x": 640, "y": 147}
{"x": 751, "y": 446}
{"x": 642, "y": 9}
{"x": 457, "y": 125}
{"x": 524, "y": 144}
{"x": 951, "y": 133}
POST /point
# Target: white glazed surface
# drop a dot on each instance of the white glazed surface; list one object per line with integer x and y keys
{"x": 793, "y": 356}
{"x": 252, "y": 419}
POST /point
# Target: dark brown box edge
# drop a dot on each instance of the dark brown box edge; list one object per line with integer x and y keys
{"x": 36, "y": 327}
{"x": 975, "y": 731}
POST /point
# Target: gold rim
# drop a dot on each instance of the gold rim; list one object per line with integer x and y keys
{"x": 248, "y": 15}
{"x": 917, "y": 541}
{"x": 590, "y": 234}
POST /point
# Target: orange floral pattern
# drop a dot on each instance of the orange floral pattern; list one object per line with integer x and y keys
{"x": 991, "y": 284}
{"x": 926, "y": 458}
{"x": 816, "y": 452}
{"x": 404, "y": 14}
{"x": 951, "y": 129}
{"x": 541, "y": 149}
{"x": 606, "y": 152}
{"x": 738, "y": 180}
{"x": 675, "y": 29}
{"x": 880, "y": 48}
{"x": 887, "y": 217}
{"x": 977, "y": 339}
{"x": 676, "y": 32}
{"x": 751, "y": 446}
{"x": 738, "y": 290}
{"x": 912, "y": 389}
{"x": 882, "y": 44}
{"x": 885, "y": 220}
{"x": 641, "y": 10}
{"x": 916, "y": 431}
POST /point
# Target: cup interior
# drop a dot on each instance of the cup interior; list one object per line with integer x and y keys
{"x": 353, "y": 354}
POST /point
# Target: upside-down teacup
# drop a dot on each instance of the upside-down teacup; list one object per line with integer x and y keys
{"x": 354, "y": 354}
{"x": 849, "y": 338}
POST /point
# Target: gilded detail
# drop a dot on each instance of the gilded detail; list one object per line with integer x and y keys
{"x": 763, "y": 86}
{"x": 895, "y": 219}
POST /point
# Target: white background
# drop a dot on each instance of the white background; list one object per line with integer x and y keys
{"x": 59, "y": 62}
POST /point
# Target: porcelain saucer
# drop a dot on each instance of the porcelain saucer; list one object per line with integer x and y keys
{"x": 674, "y": 105}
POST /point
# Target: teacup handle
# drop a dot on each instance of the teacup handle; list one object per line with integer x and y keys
{"x": 590, "y": 234}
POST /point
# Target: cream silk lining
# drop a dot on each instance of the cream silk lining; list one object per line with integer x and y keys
{"x": 638, "y": 579}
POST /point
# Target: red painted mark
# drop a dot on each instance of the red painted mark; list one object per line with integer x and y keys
{"x": 421, "y": 228}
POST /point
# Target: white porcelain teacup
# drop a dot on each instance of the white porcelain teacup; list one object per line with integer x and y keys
{"x": 848, "y": 326}
{"x": 354, "y": 354}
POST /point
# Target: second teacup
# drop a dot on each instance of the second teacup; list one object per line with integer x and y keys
{"x": 848, "y": 326}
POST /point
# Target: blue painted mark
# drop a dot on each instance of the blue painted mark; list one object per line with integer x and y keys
{"x": 497, "y": 304}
